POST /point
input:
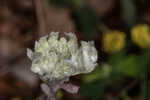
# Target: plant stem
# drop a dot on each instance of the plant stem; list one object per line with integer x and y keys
{"x": 51, "y": 88}
{"x": 40, "y": 15}
{"x": 146, "y": 87}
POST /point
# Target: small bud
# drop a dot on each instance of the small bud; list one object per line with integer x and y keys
{"x": 29, "y": 53}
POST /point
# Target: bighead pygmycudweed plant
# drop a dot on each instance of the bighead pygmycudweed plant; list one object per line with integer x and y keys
{"x": 56, "y": 58}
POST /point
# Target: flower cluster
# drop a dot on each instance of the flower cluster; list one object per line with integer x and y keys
{"x": 58, "y": 58}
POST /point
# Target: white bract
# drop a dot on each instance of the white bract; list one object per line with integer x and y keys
{"x": 56, "y": 58}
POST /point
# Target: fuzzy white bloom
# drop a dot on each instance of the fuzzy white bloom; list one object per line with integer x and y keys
{"x": 56, "y": 58}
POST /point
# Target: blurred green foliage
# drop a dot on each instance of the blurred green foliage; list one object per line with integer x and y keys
{"x": 95, "y": 89}
{"x": 129, "y": 12}
{"x": 86, "y": 20}
{"x": 131, "y": 65}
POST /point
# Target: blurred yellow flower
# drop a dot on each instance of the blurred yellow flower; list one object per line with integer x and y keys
{"x": 140, "y": 35}
{"x": 113, "y": 41}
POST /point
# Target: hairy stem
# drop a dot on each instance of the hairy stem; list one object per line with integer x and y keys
{"x": 51, "y": 88}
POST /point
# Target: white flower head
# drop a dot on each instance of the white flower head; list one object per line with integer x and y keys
{"x": 56, "y": 58}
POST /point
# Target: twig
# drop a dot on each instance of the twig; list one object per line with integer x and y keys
{"x": 128, "y": 88}
{"x": 40, "y": 14}
{"x": 145, "y": 85}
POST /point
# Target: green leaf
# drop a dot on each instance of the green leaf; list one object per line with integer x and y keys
{"x": 129, "y": 12}
{"x": 86, "y": 20}
{"x": 131, "y": 66}
{"x": 94, "y": 89}
{"x": 100, "y": 73}
{"x": 116, "y": 57}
